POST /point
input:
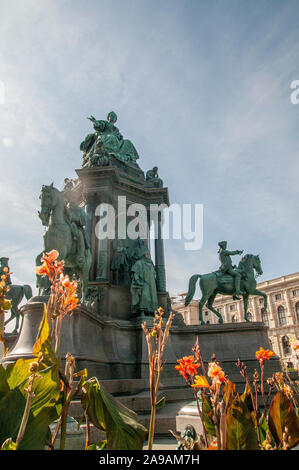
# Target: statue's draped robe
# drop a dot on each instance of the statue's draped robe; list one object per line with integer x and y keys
{"x": 110, "y": 139}
{"x": 143, "y": 287}
{"x": 120, "y": 259}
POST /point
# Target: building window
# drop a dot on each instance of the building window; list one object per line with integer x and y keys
{"x": 261, "y": 301}
{"x": 249, "y": 316}
{"x": 277, "y": 296}
{"x": 281, "y": 315}
{"x": 286, "y": 345}
{"x": 297, "y": 310}
{"x": 265, "y": 318}
{"x": 296, "y": 292}
{"x": 234, "y": 318}
{"x": 232, "y": 307}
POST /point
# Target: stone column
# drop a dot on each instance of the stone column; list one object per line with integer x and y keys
{"x": 273, "y": 316}
{"x": 89, "y": 209}
{"x": 102, "y": 260}
{"x": 90, "y": 226}
{"x": 290, "y": 312}
{"x": 159, "y": 257}
{"x": 102, "y": 248}
{"x": 226, "y": 314}
{"x": 255, "y": 310}
{"x": 240, "y": 311}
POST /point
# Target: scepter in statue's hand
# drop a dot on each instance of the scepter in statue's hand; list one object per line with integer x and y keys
{"x": 92, "y": 118}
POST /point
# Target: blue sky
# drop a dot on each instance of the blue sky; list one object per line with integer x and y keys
{"x": 202, "y": 88}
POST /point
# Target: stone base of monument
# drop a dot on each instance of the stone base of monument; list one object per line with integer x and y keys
{"x": 188, "y": 415}
{"x": 115, "y": 351}
{"x": 10, "y": 340}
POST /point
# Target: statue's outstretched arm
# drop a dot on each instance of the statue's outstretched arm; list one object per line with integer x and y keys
{"x": 232, "y": 253}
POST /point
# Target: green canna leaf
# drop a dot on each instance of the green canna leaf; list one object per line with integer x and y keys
{"x": 207, "y": 414}
{"x": 282, "y": 415}
{"x": 241, "y": 433}
{"x": 9, "y": 444}
{"x": 161, "y": 402}
{"x": 106, "y": 413}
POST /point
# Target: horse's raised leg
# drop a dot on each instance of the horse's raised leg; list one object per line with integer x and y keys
{"x": 12, "y": 316}
{"x": 261, "y": 294}
{"x": 210, "y": 307}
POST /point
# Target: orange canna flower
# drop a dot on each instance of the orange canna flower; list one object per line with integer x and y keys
{"x": 213, "y": 445}
{"x": 64, "y": 280}
{"x": 263, "y": 355}
{"x": 51, "y": 256}
{"x": 216, "y": 373}
{"x": 68, "y": 290}
{"x": 50, "y": 267}
{"x": 201, "y": 382}
{"x": 42, "y": 270}
{"x": 53, "y": 268}
{"x": 187, "y": 367}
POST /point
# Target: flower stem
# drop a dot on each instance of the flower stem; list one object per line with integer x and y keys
{"x": 26, "y": 413}
{"x": 87, "y": 438}
{"x": 201, "y": 418}
{"x": 151, "y": 428}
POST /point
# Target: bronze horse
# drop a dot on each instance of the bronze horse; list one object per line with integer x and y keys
{"x": 216, "y": 283}
{"x": 58, "y": 236}
{"x": 16, "y": 294}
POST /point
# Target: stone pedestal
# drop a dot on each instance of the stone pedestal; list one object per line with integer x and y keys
{"x": 117, "y": 349}
{"x": 10, "y": 340}
{"x": 100, "y": 186}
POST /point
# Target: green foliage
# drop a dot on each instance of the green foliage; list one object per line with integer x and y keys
{"x": 12, "y": 405}
{"x": 161, "y": 402}
{"x": 117, "y": 421}
{"x": 281, "y": 416}
{"x": 6, "y": 305}
{"x": 265, "y": 430}
{"x": 13, "y": 396}
{"x": 241, "y": 434}
{"x": 207, "y": 414}
{"x": 9, "y": 444}
{"x": 100, "y": 446}
{"x": 229, "y": 390}
{"x": 43, "y": 344}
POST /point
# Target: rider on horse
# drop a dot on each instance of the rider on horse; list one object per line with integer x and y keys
{"x": 227, "y": 266}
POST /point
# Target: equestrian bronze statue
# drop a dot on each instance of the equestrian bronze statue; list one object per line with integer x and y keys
{"x": 228, "y": 280}
{"x": 16, "y": 294}
{"x": 65, "y": 222}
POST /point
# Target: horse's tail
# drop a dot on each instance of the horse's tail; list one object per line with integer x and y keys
{"x": 192, "y": 283}
{"x": 27, "y": 291}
